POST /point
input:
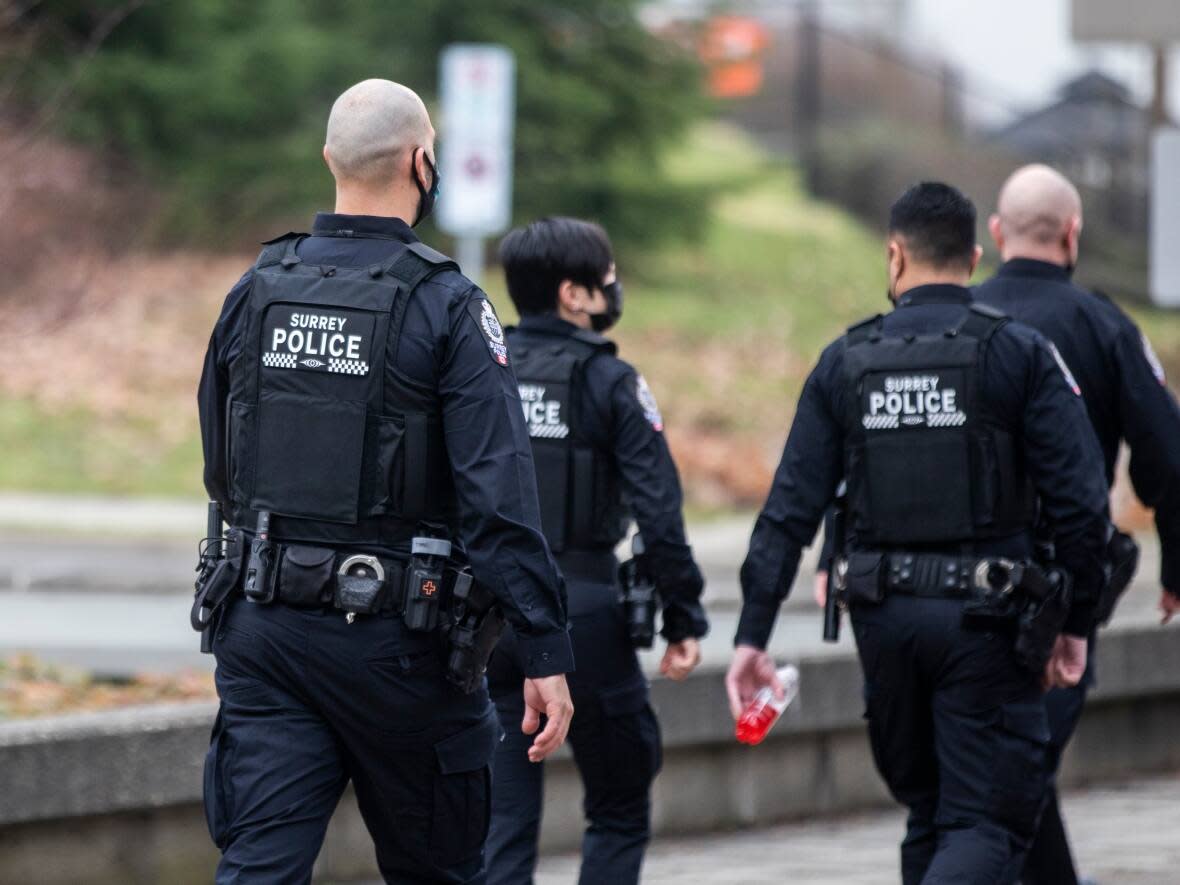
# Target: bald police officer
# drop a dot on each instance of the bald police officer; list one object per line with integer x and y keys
{"x": 1036, "y": 228}
{"x": 363, "y": 432}
{"x": 948, "y": 424}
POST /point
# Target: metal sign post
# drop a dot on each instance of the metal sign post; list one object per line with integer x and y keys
{"x": 477, "y": 87}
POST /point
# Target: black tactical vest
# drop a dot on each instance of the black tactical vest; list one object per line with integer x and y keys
{"x": 324, "y": 431}
{"x": 925, "y": 461}
{"x": 581, "y": 503}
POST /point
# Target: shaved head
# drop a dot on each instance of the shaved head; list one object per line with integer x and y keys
{"x": 373, "y": 125}
{"x": 1037, "y": 205}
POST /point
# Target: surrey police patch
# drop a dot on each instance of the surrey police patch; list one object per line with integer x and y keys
{"x": 647, "y": 401}
{"x": 1157, "y": 368}
{"x": 317, "y": 339}
{"x": 931, "y": 400}
{"x": 484, "y": 314}
{"x": 1061, "y": 364}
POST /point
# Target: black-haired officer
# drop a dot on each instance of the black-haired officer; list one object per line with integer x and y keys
{"x": 361, "y": 425}
{"x": 948, "y": 424}
{"x": 601, "y": 457}
{"x": 1036, "y": 228}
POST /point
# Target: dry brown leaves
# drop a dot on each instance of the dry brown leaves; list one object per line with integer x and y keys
{"x": 30, "y": 688}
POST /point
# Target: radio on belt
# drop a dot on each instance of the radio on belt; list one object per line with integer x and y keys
{"x": 424, "y": 581}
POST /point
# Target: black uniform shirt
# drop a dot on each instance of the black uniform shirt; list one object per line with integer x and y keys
{"x": 488, "y": 446}
{"x": 1121, "y": 381}
{"x": 619, "y": 416}
{"x": 1024, "y": 388}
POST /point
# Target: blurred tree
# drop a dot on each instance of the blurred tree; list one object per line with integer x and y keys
{"x": 224, "y": 103}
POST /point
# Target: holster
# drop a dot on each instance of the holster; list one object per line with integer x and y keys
{"x": 639, "y": 600}
{"x": 1044, "y": 608}
{"x": 216, "y": 581}
{"x": 475, "y": 625}
{"x": 1122, "y": 560}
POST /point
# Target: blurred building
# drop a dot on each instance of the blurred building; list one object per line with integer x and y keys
{"x": 1098, "y": 136}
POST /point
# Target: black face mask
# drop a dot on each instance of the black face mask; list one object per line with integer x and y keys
{"x": 600, "y": 322}
{"x": 428, "y": 197}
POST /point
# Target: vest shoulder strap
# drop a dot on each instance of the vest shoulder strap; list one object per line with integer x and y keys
{"x": 982, "y": 321}
{"x": 593, "y": 343}
{"x": 280, "y": 250}
{"x": 415, "y": 263}
{"x": 863, "y": 331}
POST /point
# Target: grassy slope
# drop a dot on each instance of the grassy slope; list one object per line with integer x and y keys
{"x": 725, "y": 330}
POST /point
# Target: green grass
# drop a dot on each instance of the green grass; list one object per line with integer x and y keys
{"x": 77, "y": 451}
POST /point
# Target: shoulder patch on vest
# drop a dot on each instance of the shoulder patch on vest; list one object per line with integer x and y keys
{"x": 1061, "y": 364}
{"x": 647, "y": 402}
{"x": 1157, "y": 368}
{"x": 481, "y": 311}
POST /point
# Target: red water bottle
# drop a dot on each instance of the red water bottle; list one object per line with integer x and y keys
{"x": 765, "y": 709}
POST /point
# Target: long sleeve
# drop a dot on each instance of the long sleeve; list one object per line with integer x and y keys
{"x": 492, "y": 465}
{"x": 803, "y": 488}
{"x": 1065, "y": 463}
{"x": 1150, "y": 420}
{"x": 651, "y": 487}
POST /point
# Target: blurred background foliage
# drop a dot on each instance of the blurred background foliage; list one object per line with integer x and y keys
{"x": 222, "y": 104}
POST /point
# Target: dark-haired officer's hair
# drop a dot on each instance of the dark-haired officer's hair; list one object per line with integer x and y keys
{"x": 537, "y": 257}
{"x": 938, "y": 224}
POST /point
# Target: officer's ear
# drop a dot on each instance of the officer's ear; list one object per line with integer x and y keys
{"x": 1073, "y": 235}
{"x": 975, "y": 256}
{"x": 997, "y": 231}
{"x": 568, "y": 297}
{"x": 897, "y": 259}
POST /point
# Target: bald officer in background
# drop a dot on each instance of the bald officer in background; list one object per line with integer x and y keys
{"x": 1036, "y": 228}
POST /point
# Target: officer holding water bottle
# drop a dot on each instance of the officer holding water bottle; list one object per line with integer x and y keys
{"x": 950, "y": 424}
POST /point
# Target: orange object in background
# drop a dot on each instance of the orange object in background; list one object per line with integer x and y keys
{"x": 732, "y": 48}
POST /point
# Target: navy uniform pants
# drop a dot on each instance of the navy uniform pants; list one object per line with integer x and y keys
{"x": 959, "y": 733}
{"x": 615, "y": 741}
{"x": 1050, "y": 861}
{"x": 308, "y": 703}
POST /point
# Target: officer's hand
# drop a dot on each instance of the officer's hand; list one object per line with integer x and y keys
{"x": 821, "y": 587}
{"x": 548, "y": 695}
{"x": 680, "y": 659}
{"x": 1067, "y": 664}
{"x": 750, "y": 670}
{"x": 1169, "y": 605}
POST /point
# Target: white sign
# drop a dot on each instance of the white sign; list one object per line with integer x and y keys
{"x": 1135, "y": 21}
{"x": 1165, "y": 218}
{"x": 477, "y": 86}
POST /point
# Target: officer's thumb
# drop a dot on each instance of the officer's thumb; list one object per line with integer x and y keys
{"x": 532, "y": 716}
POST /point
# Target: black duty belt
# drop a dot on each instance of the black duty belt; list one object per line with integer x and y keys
{"x": 391, "y": 572}
{"x": 940, "y": 576}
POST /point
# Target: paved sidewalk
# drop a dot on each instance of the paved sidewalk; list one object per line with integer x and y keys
{"x": 1122, "y": 834}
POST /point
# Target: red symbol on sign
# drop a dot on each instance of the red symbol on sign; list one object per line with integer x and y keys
{"x": 428, "y": 588}
{"x": 475, "y": 166}
{"x": 477, "y": 73}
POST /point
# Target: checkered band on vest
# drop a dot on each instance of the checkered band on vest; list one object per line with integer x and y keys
{"x": 279, "y": 360}
{"x": 348, "y": 367}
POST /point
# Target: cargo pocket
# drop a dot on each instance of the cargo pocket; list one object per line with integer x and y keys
{"x": 635, "y": 751}
{"x": 305, "y": 574}
{"x": 217, "y": 787}
{"x": 1018, "y": 787}
{"x": 462, "y": 791}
